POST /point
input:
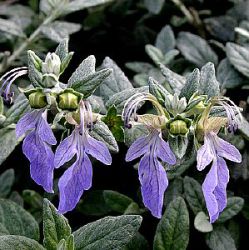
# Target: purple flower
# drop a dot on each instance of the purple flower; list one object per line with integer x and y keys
{"x": 37, "y": 146}
{"x": 215, "y": 150}
{"x": 78, "y": 177}
{"x": 152, "y": 175}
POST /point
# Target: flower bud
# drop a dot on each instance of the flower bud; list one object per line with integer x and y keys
{"x": 37, "y": 100}
{"x": 68, "y": 101}
{"x": 178, "y": 127}
{"x": 52, "y": 64}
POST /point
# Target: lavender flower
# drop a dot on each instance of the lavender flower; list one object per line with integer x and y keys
{"x": 37, "y": 146}
{"x": 78, "y": 177}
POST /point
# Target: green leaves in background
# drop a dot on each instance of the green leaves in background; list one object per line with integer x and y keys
{"x": 7, "y": 179}
{"x": 154, "y": 6}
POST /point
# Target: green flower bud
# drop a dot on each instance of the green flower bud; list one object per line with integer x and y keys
{"x": 52, "y": 64}
{"x": 37, "y": 100}
{"x": 68, "y": 101}
{"x": 178, "y": 127}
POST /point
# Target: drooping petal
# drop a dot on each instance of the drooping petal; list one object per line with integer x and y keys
{"x": 27, "y": 122}
{"x": 154, "y": 182}
{"x": 208, "y": 187}
{"x": 41, "y": 159}
{"x": 73, "y": 182}
{"x": 66, "y": 150}
{"x": 164, "y": 152}
{"x": 138, "y": 148}
{"x": 98, "y": 150}
{"x": 226, "y": 150}
{"x": 205, "y": 154}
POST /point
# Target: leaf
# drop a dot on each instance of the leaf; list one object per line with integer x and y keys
{"x": 243, "y": 128}
{"x": 194, "y": 195}
{"x": 165, "y": 40}
{"x": 16, "y": 197}
{"x": 55, "y": 226}
{"x": 18, "y": 221}
{"x": 238, "y": 57}
{"x": 202, "y": 223}
{"x": 139, "y": 67}
{"x": 195, "y": 49}
{"x": 154, "y": 6}
{"x": 227, "y": 75}
{"x": 220, "y": 239}
{"x": 7, "y": 179}
{"x": 174, "y": 190}
{"x": 155, "y": 54}
{"x": 178, "y": 145}
{"x": 138, "y": 242}
{"x": 101, "y": 132}
{"x": 11, "y": 28}
{"x": 134, "y": 133}
{"x": 234, "y": 206}
{"x": 58, "y": 31}
{"x": 208, "y": 83}
{"x": 107, "y": 233}
{"x": 173, "y": 229}
{"x": 8, "y": 142}
{"x": 14, "y": 242}
{"x": 115, "y": 123}
{"x": 117, "y": 81}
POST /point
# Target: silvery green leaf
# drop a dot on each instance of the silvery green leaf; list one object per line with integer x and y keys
{"x": 244, "y": 128}
{"x": 202, "y": 223}
{"x": 220, "y": 239}
{"x": 48, "y": 6}
{"x": 16, "y": 242}
{"x": 139, "y": 67}
{"x": 97, "y": 104}
{"x": 208, "y": 83}
{"x": 8, "y": 142}
{"x": 155, "y": 54}
{"x": 101, "y": 132}
{"x": 55, "y": 226}
{"x": 17, "y": 198}
{"x": 119, "y": 99}
{"x": 178, "y": 145}
{"x": 174, "y": 190}
{"x": 240, "y": 11}
{"x": 140, "y": 80}
{"x": 227, "y": 75}
{"x": 1, "y": 106}
{"x": 62, "y": 49}
{"x": 234, "y": 206}
{"x": 138, "y": 242}
{"x": 238, "y": 57}
{"x": 7, "y": 180}
{"x": 18, "y": 221}
{"x": 170, "y": 56}
{"x": 191, "y": 85}
{"x": 195, "y": 49}
{"x": 114, "y": 84}
{"x": 59, "y": 30}
{"x": 134, "y": 133}
{"x": 193, "y": 194}
{"x": 234, "y": 230}
{"x": 109, "y": 233}
{"x": 11, "y": 28}
{"x": 165, "y": 40}
{"x": 172, "y": 232}
{"x": 154, "y": 6}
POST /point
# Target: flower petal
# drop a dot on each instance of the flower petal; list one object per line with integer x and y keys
{"x": 164, "y": 152}
{"x": 98, "y": 150}
{"x": 154, "y": 182}
{"x": 66, "y": 150}
{"x": 205, "y": 154}
{"x": 27, "y": 122}
{"x": 138, "y": 148}
{"x": 226, "y": 150}
{"x": 41, "y": 159}
{"x": 73, "y": 182}
{"x": 208, "y": 187}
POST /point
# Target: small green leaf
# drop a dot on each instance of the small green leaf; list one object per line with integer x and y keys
{"x": 178, "y": 145}
{"x": 18, "y": 221}
{"x": 7, "y": 180}
{"x": 244, "y": 128}
{"x": 55, "y": 226}
{"x": 109, "y": 233}
{"x": 174, "y": 190}
{"x": 155, "y": 54}
{"x": 194, "y": 195}
{"x": 173, "y": 229}
{"x": 11, "y": 28}
{"x": 139, "y": 67}
{"x": 154, "y": 6}
{"x": 234, "y": 206}
{"x": 14, "y": 242}
{"x": 138, "y": 242}
{"x": 202, "y": 223}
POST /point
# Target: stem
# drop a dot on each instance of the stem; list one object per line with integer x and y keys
{"x": 184, "y": 10}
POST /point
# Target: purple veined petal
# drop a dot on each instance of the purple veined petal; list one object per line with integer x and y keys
{"x": 138, "y": 147}
{"x": 66, "y": 150}
{"x": 164, "y": 151}
{"x": 45, "y": 131}
{"x": 205, "y": 154}
{"x": 154, "y": 182}
{"x": 226, "y": 150}
{"x": 73, "y": 182}
{"x": 41, "y": 159}
{"x": 208, "y": 187}
{"x": 27, "y": 122}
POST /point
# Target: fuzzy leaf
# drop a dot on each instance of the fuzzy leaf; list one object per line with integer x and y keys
{"x": 165, "y": 40}
{"x": 154, "y": 6}
{"x": 139, "y": 67}
{"x": 7, "y": 180}
{"x": 178, "y": 145}
{"x": 174, "y": 190}
{"x": 202, "y": 223}
{"x": 138, "y": 242}
{"x": 155, "y": 54}
{"x": 11, "y": 28}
